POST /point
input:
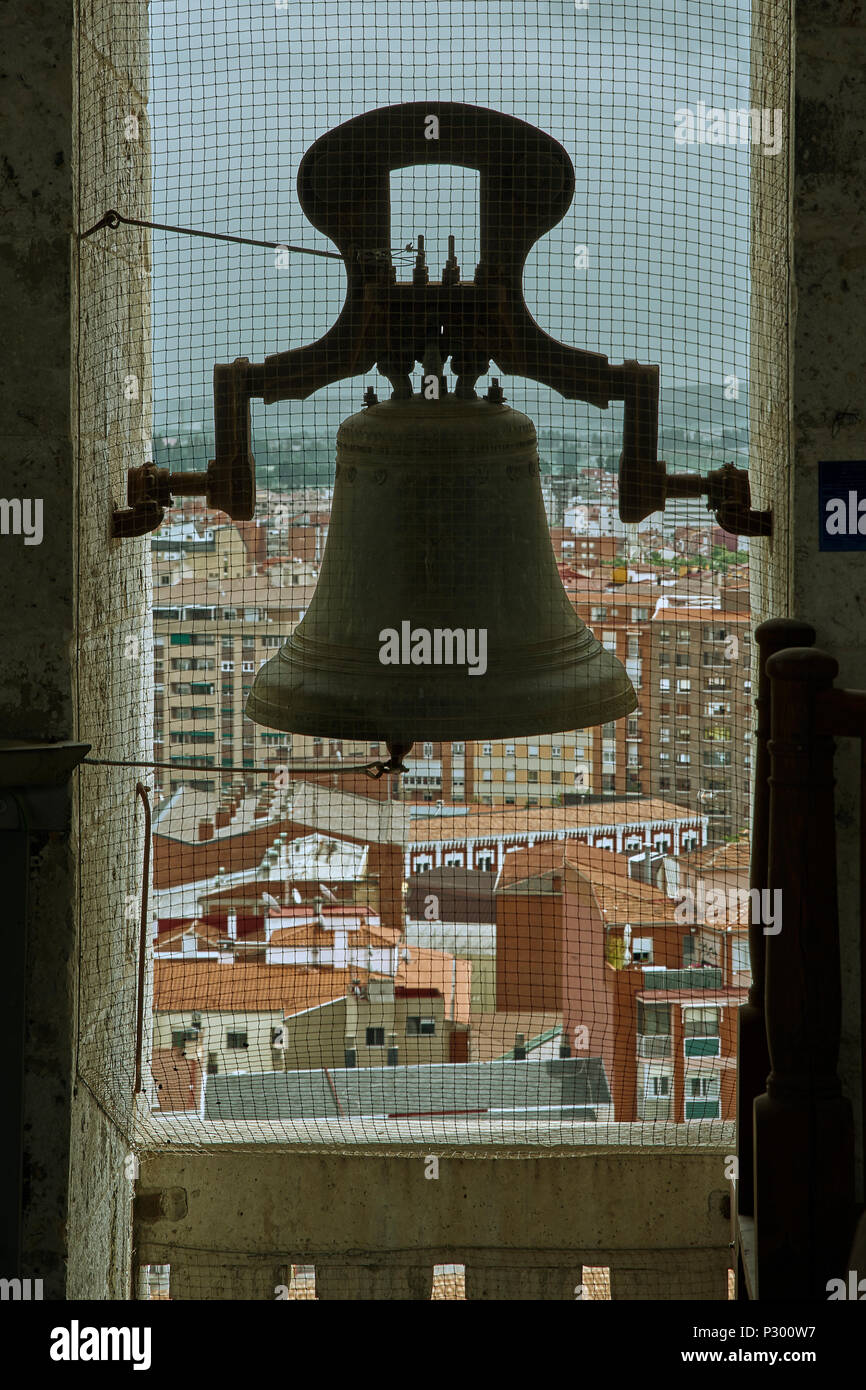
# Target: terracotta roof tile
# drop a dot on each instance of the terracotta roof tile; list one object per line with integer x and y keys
{"x": 620, "y": 898}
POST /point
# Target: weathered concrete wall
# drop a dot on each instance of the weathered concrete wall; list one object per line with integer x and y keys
{"x": 66, "y": 161}
{"x": 808, "y": 365}
{"x": 374, "y": 1226}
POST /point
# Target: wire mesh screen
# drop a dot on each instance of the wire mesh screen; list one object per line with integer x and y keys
{"x": 534, "y": 930}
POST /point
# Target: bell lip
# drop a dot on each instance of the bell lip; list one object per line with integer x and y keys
{"x": 438, "y": 728}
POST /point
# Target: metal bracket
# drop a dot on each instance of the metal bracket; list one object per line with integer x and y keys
{"x": 646, "y": 487}
{"x": 527, "y": 184}
{"x": 230, "y": 481}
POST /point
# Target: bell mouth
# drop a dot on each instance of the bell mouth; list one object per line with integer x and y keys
{"x": 438, "y": 704}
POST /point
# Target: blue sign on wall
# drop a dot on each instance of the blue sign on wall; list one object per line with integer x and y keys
{"x": 842, "y": 506}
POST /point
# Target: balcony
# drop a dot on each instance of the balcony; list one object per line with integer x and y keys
{"x": 705, "y": 977}
{"x": 702, "y": 1047}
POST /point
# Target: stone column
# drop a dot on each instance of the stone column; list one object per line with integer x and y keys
{"x": 70, "y": 601}
{"x": 808, "y": 337}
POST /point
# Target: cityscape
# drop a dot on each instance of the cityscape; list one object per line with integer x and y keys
{"x": 514, "y": 907}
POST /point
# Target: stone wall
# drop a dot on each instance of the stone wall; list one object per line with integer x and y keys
{"x": 230, "y": 1224}
{"x": 76, "y": 316}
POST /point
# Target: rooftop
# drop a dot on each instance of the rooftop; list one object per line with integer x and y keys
{"x": 305, "y": 803}
{"x": 251, "y": 987}
{"x": 620, "y": 898}
{"x": 534, "y": 820}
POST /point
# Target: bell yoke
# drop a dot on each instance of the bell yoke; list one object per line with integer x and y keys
{"x": 438, "y": 532}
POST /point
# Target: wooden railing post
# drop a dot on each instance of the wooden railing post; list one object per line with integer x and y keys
{"x": 803, "y": 1128}
{"x": 753, "y": 1058}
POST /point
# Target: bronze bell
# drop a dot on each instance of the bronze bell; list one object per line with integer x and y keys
{"x": 439, "y": 612}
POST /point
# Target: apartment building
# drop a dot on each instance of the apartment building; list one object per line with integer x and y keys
{"x": 208, "y": 644}
{"x": 700, "y": 691}
{"x": 577, "y": 933}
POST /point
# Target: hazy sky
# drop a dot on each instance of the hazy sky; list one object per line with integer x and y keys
{"x": 239, "y": 90}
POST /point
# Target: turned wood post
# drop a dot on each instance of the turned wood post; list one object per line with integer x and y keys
{"x": 803, "y": 1129}
{"x": 753, "y": 1058}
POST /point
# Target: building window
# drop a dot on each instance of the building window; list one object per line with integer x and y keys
{"x": 642, "y": 949}
{"x": 653, "y": 1019}
{"x": 375, "y": 1037}
{"x": 420, "y": 1027}
{"x": 237, "y": 1040}
{"x": 658, "y": 1086}
{"x": 639, "y": 615}
{"x": 700, "y": 1023}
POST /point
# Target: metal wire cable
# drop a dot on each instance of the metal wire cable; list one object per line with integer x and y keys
{"x": 372, "y": 769}
{"x": 113, "y": 219}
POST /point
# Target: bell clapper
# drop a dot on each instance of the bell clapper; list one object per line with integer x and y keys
{"x": 395, "y": 763}
{"x": 398, "y": 752}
